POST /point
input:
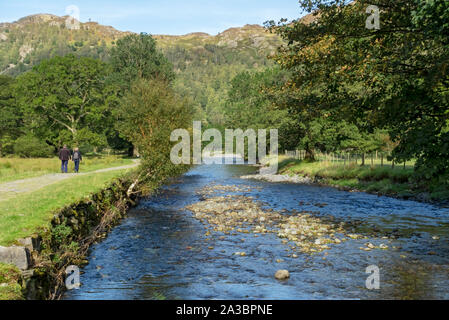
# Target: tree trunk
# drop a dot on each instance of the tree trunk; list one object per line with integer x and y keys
{"x": 310, "y": 154}
{"x": 131, "y": 151}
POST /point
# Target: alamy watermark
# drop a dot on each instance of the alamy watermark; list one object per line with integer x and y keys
{"x": 373, "y": 280}
{"x": 73, "y": 20}
{"x": 373, "y": 20}
{"x": 72, "y": 280}
{"x": 232, "y": 153}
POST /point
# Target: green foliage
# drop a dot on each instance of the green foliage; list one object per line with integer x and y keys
{"x": 64, "y": 100}
{"x": 136, "y": 56}
{"x": 10, "y": 288}
{"x": 29, "y": 146}
{"x": 37, "y": 38}
{"x": 148, "y": 114}
{"x": 61, "y": 232}
{"x": 250, "y": 106}
{"x": 395, "y": 78}
{"x": 10, "y": 115}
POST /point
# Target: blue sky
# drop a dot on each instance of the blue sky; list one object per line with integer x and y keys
{"x": 159, "y": 16}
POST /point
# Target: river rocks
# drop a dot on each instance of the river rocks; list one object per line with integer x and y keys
{"x": 369, "y": 246}
{"x": 238, "y": 213}
{"x": 282, "y": 274}
{"x": 279, "y": 178}
{"x": 18, "y": 256}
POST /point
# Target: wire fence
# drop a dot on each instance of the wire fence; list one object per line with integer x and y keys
{"x": 347, "y": 158}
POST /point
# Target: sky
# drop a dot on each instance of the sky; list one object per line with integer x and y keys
{"x": 174, "y": 17}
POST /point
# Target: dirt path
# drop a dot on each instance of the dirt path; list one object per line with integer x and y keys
{"x": 11, "y": 189}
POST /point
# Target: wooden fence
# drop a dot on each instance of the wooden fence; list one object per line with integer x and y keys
{"x": 347, "y": 158}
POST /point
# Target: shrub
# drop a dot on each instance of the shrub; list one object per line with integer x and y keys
{"x": 29, "y": 146}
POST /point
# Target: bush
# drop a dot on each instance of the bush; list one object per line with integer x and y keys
{"x": 29, "y": 146}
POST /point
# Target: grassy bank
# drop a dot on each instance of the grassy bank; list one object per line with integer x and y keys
{"x": 17, "y": 168}
{"x": 26, "y": 213}
{"x": 384, "y": 180}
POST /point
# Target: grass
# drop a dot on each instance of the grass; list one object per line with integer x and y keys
{"x": 10, "y": 289}
{"x": 385, "y": 180}
{"x": 17, "y": 168}
{"x": 25, "y": 214}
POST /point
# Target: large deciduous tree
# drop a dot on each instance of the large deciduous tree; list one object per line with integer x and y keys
{"x": 64, "y": 100}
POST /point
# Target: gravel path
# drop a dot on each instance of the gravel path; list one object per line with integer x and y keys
{"x": 11, "y": 189}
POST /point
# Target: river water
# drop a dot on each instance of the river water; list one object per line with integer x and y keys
{"x": 161, "y": 251}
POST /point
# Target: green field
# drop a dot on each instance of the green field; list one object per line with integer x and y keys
{"x": 21, "y": 216}
{"x": 17, "y": 168}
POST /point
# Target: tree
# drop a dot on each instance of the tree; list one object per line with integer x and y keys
{"x": 394, "y": 78}
{"x": 135, "y": 57}
{"x": 149, "y": 113}
{"x": 250, "y": 105}
{"x": 10, "y": 120}
{"x": 65, "y": 100}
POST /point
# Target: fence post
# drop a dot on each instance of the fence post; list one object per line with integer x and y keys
{"x": 392, "y": 164}
{"x": 381, "y": 159}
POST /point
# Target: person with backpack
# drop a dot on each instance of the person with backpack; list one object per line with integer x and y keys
{"x": 76, "y": 157}
{"x": 64, "y": 156}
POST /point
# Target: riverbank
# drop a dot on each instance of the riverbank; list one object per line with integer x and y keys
{"x": 393, "y": 182}
{"x": 54, "y": 238}
{"x": 61, "y": 224}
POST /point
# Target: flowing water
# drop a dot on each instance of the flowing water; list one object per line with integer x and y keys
{"x": 161, "y": 251}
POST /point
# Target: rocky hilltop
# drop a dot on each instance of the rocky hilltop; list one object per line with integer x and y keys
{"x": 31, "y": 39}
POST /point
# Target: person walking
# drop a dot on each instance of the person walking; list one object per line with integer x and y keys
{"x": 77, "y": 157}
{"x": 64, "y": 156}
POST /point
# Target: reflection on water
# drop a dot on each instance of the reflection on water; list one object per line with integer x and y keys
{"x": 161, "y": 252}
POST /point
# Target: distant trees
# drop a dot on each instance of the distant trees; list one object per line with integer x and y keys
{"x": 262, "y": 100}
{"x": 251, "y": 105}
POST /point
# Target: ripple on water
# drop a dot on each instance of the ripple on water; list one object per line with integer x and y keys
{"x": 160, "y": 251}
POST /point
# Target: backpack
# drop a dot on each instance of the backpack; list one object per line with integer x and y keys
{"x": 76, "y": 155}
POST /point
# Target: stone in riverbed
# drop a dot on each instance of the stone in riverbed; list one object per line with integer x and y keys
{"x": 18, "y": 256}
{"x": 282, "y": 274}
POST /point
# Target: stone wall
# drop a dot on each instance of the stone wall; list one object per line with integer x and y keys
{"x": 44, "y": 257}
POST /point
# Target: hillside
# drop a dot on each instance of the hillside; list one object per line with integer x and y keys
{"x": 205, "y": 64}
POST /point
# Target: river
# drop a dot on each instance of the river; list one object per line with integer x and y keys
{"x": 161, "y": 251}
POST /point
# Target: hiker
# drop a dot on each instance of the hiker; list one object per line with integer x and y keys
{"x": 76, "y": 157}
{"x": 64, "y": 156}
